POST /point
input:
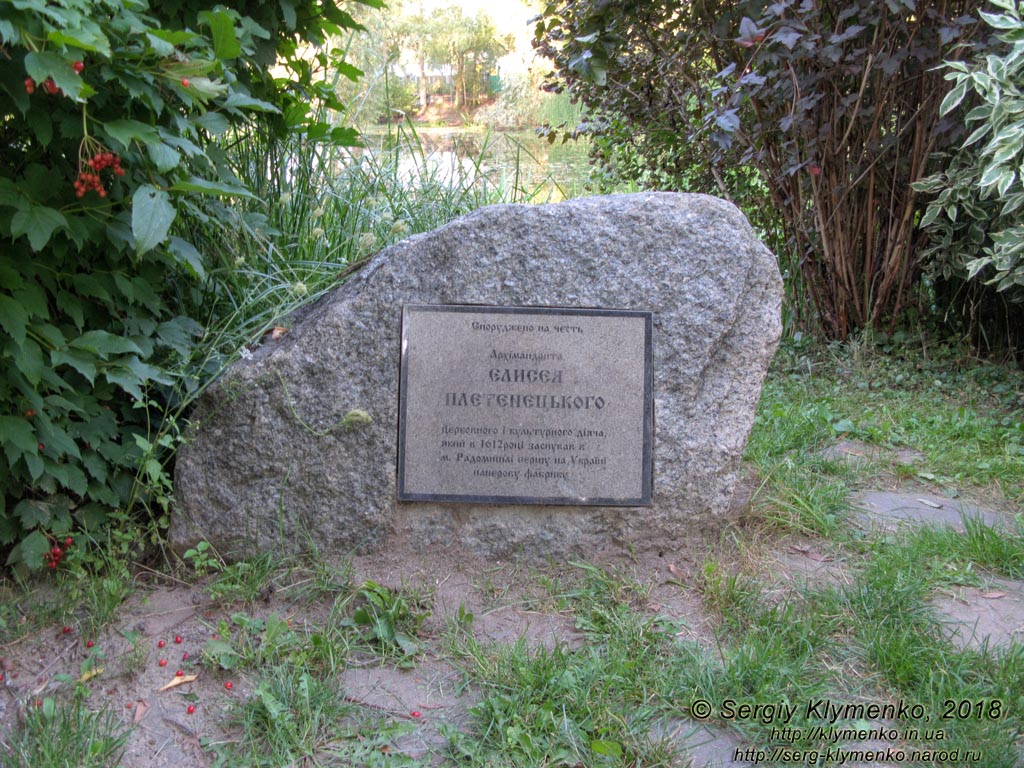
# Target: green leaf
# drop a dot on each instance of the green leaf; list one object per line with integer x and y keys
{"x": 222, "y": 652}
{"x": 126, "y": 381}
{"x": 30, "y": 551}
{"x": 222, "y": 30}
{"x": 336, "y": 15}
{"x": 207, "y": 187}
{"x": 349, "y": 71}
{"x": 240, "y": 100}
{"x": 19, "y": 433}
{"x": 609, "y": 748}
{"x": 13, "y": 318}
{"x": 35, "y": 465}
{"x": 126, "y": 131}
{"x": 41, "y": 65}
{"x": 147, "y": 372}
{"x": 104, "y": 343}
{"x": 152, "y": 216}
{"x": 179, "y": 334}
{"x": 56, "y": 440}
{"x": 38, "y": 222}
{"x": 33, "y": 513}
{"x": 160, "y": 46}
{"x": 11, "y": 194}
{"x": 344, "y": 136}
{"x": 62, "y": 403}
{"x": 1005, "y": 181}
{"x": 96, "y": 465}
{"x": 186, "y": 254}
{"x": 69, "y": 476}
{"x": 86, "y": 35}
{"x": 41, "y": 124}
{"x": 214, "y": 122}
{"x": 205, "y": 89}
{"x": 931, "y": 214}
{"x": 131, "y": 376}
{"x": 163, "y": 156}
{"x": 999, "y": 21}
{"x": 288, "y": 11}
{"x": 81, "y": 362}
{"x": 991, "y": 176}
{"x": 33, "y": 299}
{"x": 844, "y": 425}
{"x": 953, "y": 98}
{"x": 29, "y": 360}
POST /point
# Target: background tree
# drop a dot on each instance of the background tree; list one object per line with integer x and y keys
{"x": 835, "y": 104}
{"x": 468, "y": 45}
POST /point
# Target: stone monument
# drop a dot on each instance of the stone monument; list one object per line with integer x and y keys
{"x": 527, "y": 380}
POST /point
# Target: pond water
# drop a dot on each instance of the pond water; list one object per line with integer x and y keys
{"x": 520, "y": 164}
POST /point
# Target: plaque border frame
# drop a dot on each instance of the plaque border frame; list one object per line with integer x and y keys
{"x": 647, "y": 460}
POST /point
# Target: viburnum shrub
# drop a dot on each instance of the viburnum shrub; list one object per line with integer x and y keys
{"x": 113, "y": 111}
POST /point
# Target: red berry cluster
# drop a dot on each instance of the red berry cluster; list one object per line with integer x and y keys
{"x": 56, "y": 554}
{"x": 48, "y": 85}
{"x": 90, "y": 179}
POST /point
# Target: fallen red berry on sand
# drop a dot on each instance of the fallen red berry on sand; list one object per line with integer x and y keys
{"x": 415, "y": 713}
{"x": 229, "y": 685}
{"x": 191, "y": 708}
{"x": 67, "y": 630}
{"x": 163, "y": 662}
{"x": 160, "y": 643}
{"x": 177, "y": 639}
{"x": 90, "y": 644}
{"x": 179, "y": 673}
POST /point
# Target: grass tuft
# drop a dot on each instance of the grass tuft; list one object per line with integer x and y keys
{"x": 55, "y": 731}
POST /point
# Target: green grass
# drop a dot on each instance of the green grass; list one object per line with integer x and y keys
{"x": 292, "y": 717}
{"x": 961, "y": 424}
{"x": 59, "y": 733}
{"x": 901, "y": 638}
{"x": 600, "y": 704}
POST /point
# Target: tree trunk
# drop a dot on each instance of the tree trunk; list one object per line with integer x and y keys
{"x": 460, "y": 81}
{"x": 421, "y": 59}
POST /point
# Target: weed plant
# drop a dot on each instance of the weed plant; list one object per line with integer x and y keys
{"x": 56, "y": 731}
{"x": 291, "y": 718}
{"x": 600, "y": 704}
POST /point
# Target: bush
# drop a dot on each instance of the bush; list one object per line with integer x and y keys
{"x": 835, "y": 104}
{"x": 975, "y": 221}
{"x": 114, "y": 114}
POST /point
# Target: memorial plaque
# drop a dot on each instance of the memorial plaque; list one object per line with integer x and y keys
{"x": 525, "y": 405}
